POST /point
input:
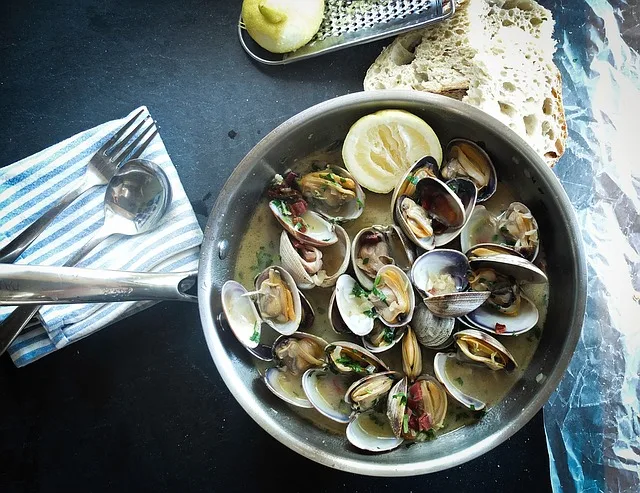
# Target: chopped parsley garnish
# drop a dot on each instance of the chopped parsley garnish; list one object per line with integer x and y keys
{"x": 412, "y": 179}
{"x": 376, "y": 292}
{"x": 388, "y": 335}
{"x": 375, "y": 418}
{"x": 358, "y": 291}
{"x": 365, "y": 261}
{"x": 370, "y": 313}
{"x": 402, "y": 396}
{"x": 360, "y": 204}
{"x": 263, "y": 260}
{"x": 328, "y": 177}
{"x": 256, "y": 335}
{"x": 495, "y": 238}
{"x": 343, "y": 180}
{"x": 425, "y": 436}
{"x": 282, "y": 207}
{"x": 405, "y": 423}
{"x": 472, "y": 407}
{"x": 349, "y": 363}
{"x": 377, "y": 281}
{"x": 460, "y": 381}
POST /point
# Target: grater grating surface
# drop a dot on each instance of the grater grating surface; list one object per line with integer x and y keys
{"x": 353, "y": 22}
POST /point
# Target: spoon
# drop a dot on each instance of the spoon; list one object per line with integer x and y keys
{"x": 136, "y": 199}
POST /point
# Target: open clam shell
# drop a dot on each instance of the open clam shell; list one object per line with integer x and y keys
{"x": 282, "y": 312}
{"x": 241, "y": 314}
{"x": 465, "y": 159}
{"x": 376, "y": 246}
{"x": 294, "y": 355}
{"x": 439, "y": 368}
{"x": 325, "y": 390}
{"x": 371, "y": 431}
{"x": 396, "y": 406}
{"x": 333, "y": 193}
{"x": 477, "y": 347}
{"x": 382, "y": 337}
{"x": 515, "y": 230}
{"x": 353, "y": 306}
{"x": 393, "y": 296}
{"x": 433, "y": 216}
{"x": 432, "y": 332}
{"x": 484, "y": 250}
{"x": 511, "y": 265}
{"x": 441, "y": 277}
{"x": 286, "y": 386}
{"x": 364, "y": 394}
{"x": 351, "y": 359}
{"x": 324, "y": 266}
{"x": 313, "y": 230}
{"x": 492, "y": 321}
{"x": 424, "y": 167}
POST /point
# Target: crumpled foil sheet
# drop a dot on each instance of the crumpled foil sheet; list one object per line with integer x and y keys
{"x": 592, "y": 421}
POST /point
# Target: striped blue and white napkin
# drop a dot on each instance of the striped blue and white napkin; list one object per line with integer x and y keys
{"x": 29, "y": 187}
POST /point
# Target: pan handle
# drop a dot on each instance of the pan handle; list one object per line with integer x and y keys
{"x": 39, "y": 285}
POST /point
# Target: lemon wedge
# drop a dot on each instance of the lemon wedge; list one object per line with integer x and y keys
{"x": 380, "y": 147}
{"x": 280, "y": 26}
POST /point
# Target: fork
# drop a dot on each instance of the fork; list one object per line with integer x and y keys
{"x": 100, "y": 169}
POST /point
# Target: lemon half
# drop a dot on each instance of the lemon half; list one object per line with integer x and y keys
{"x": 280, "y": 26}
{"x": 380, "y": 147}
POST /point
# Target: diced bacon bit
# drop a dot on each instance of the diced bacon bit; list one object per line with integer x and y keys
{"x": 298, "y": 208}
{"x": 501, "y": 328}
{"x": 298, "y": 220}
{"x": 424, "y": 423}
{"x": 290, "y": 178}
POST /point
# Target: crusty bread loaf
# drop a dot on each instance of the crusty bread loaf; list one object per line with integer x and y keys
{"x": 494, "y": 54}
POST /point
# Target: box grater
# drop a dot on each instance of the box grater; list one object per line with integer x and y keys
{"x": 353, "y": 22}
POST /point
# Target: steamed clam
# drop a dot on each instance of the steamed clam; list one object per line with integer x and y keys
{"x": 377, "y": 246}
{"x": 514, "y": 229}
{"x": 366, "y": 393}
{"x": 333, "y": 193}
{"x": 310, "y": 266}
{"x": 294, "y": 355}
{"x": 382, "y": 337}
{"x": 441, "y": 276}
{"x": 278, "y": 300}
{"x": 432, "y": 216}
{"x": 465, "y": 159}
{"x": 411, "y": 356}
{"x": 431, "y": 331}
{"x": 349, "y": 358}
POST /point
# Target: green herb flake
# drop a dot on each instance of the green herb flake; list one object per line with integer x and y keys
{"x": 349, "y": 363}
{"x": 405, "y": 423}
{"x": 365, "y": 261}
{"x": 412, "y": 179}
{"x": 460, "y": 381}
{"x": 358, "y": 291}
{"x": 389, "y": 334}
{"x": 343, "y": 180}
{"x": 263, "y": 260}
{"x": 375, "y": 418}
{"x": 370, "y": 313}
{"x": 321, "y": 310}
{"x": 381, "y": 296}
{"x": 402, "y": 396}
{"x": 495, "y": 238}
{"x": 255, "y": 337}
{"x": 360, "y": 204}
{"x": 472, "y": 407}
{"x": 328, "y": 177}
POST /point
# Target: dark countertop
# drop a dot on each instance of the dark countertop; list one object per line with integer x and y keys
{"x": 140, "y": 406}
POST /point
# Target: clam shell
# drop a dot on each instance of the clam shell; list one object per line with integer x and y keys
{"x": 368, "y": 362}
{"x": 319, "y": 232}
{"x": 426, "y": 166}
{"x": 349, "y": 210}
{"x": 488, "y": 340}
{"x": 455, "y": 264}
{"x": 467, "y": 193}
{"x": 360, "y": 435}
{"x": 241, "y": 314}
{"x": 350, "y": 312}
{"x": 431, "y": 331}
{"x": 486, "y": 318}
{"x": 308, "y": 314}
{"x": 399, "y": 333}
{"x": 291, "y": 326}
{"x": 400, "y": 249}
{"x": 484, "y": 193}
{"x": 298, "y": 335}
{"x": 396, "y": 406}
{"x": 279, "y": 382}
{"x": 485, "y": 250}
{"x": 405, "y": 318}
{"x": 439, "y": 368}
{"x": 335, "y": 259}
{"x": 511, "y": 265}
{"x": 388, "y": 376}
{"x": 335, "y": 319}
{"x": 325, "y": 391}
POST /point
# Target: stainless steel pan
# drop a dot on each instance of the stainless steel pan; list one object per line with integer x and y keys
{"x": 516, "y": 163}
